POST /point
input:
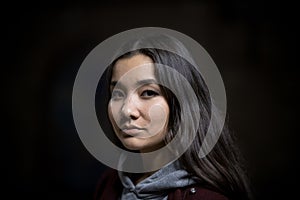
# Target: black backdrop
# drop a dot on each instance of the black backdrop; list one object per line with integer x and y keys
{"x": 252, "y": 43}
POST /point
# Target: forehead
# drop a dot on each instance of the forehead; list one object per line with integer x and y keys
{"x": 136, "y": 67}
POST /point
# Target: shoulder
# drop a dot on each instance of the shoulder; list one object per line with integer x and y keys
{"x": 195, "y": 192}
{"x": 109, "y": 185}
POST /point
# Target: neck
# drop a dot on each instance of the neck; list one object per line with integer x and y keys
{"x": 157, "y": 161}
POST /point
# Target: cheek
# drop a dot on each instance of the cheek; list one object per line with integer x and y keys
{"x": 159, "y": 115}
{"x": 113, "y": 112}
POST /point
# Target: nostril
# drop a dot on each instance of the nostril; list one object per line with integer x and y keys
{"x": 133, "y": 117}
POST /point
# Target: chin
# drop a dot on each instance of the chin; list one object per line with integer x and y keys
{"x": 132, "y": 148}
{"x": 140, "y": 144}
{"x": 132, "y": 145}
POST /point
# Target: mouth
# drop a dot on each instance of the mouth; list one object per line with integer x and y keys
{"x": 131, "y": 131}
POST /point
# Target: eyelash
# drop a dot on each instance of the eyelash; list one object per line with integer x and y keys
{"x": 117, "y": 94}
{"x": 152, "y": 93}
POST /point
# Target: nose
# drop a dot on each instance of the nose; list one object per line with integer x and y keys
{"x": 130, "y": 108}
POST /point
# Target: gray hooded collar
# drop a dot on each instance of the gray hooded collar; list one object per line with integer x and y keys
{"x": 158, "y": 185}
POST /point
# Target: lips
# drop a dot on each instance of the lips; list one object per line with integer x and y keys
{"x": 132, "y": 130}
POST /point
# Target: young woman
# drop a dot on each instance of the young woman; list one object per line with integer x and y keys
{"x": 144, "y": 113}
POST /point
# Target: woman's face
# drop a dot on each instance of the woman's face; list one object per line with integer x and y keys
{"x": 137, "y": 109}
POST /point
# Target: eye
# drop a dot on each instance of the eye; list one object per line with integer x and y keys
{"x": 149, "y": 93}
{"x": 117, "y": 94}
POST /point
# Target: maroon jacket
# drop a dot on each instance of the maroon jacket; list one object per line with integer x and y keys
{"x": 110, "y": 188}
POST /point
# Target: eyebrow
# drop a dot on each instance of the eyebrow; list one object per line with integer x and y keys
{"x": 146, "y": 82}
{"x": 138, "y": 83}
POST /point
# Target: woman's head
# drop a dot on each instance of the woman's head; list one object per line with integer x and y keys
{"x": 140, "y": 81}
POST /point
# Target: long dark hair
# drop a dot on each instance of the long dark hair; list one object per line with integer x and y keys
{"x": 221, "y": 169}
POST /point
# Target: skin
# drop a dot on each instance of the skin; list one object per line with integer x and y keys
{"x": 137, "y": 109}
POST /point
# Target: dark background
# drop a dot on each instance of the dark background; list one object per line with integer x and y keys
{"x": 252, "y": 42}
